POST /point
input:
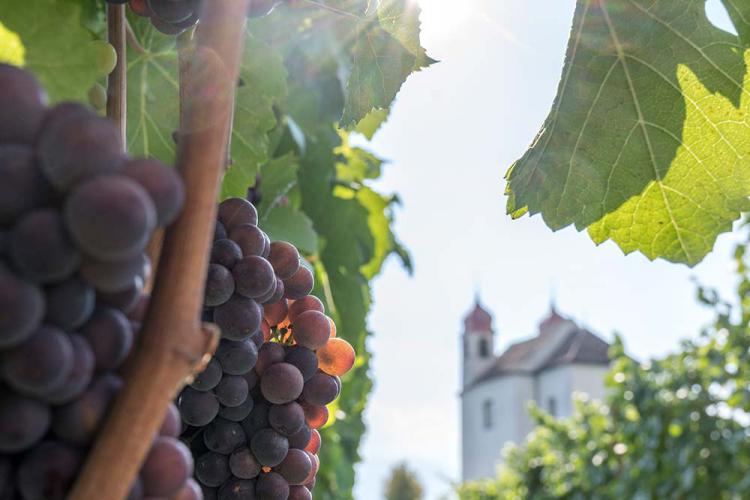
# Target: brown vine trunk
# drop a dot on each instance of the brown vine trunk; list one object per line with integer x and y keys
{"x": 172, "y": 342}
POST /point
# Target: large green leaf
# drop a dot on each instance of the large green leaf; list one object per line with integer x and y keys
{"x": 56, "y": 46}
{"x": 647, "y": 142}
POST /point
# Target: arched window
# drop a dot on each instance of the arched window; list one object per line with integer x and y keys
{"x": 484, "y": 348}
{"x": 487, "y": 414}
{"x": 552, "y": 406}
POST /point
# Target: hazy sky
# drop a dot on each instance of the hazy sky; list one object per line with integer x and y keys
{"x": 454, "y": 130}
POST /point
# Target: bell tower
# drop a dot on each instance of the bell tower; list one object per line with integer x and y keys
{"x": 478, "y": 343}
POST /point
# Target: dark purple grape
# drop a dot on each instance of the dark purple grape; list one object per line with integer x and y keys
{"x": 168, "y": 466}
{"x": 238, "y": 318}
{"x": 232, "y": 390}
{"x": 307, "y": 303}
{"x": 299, "y": 285}
{"x": 249, "y": 238}
{"x": 197, "y": 408}
{"x": 299, "y": 493}
{"x": 220, "y": 232}
{"x": 41, "y": 248}
{"x": 225, "y": 252}
{"x": 281, "y": 383}
{"x": 300, "y": 438}
{"x": 191, "y": 490}
{"x": 304, "y": 359}
{"x": 237, "y": 357}
{"x": 125, "y": 300}
{"x": 115, "y": 276}
{"x": 80, "y": 375}
{"x": 171, "y": 426}
{"x": 271, "y": 486}
{"x": 266, "y": 246}
{"x": 223, "y": 436}
{"x": 219, "y": 286}
{"x": 296, "y": 467}
{"x": 22, "y": 104}
{"x": 257, "y": 420}
{"x": 269, "y": 354}
{"x": 236, "y": 211}
{"x": 243, "y": 464}
{"x": 212, "y": 469}
{"x": 321, "y": 389}
{"x": 24, "y": 188}
{"x": 162, "y": 183}
{"x": 277, "y": 295}
{"x": 165, "y": 27}
{"x": 252, "y": 379}
{"x": 286, "y": 419}
{"x": 21, "y": 309}
{"x": 48, "y": 471}
{"x": 312, "y": 329}
{"x": 284, "y": 258}
{"x": 111, "y": 217}
{"x": 172, "y": 11}
{"x": 78, "y": 421}
{"x": 110, "y": 336}
{"x": 275, "y": 312}
{"x": 209, "y": 377}
{"x": 238, "y": 413}
{"x": 70, "y": 304}
{"x": 23, "y": 421}
{"x": 237, "y": 489}
{"x": 78, "y": 146}
{"x": 41, "y": 364}
{"x": 269, "y": 447}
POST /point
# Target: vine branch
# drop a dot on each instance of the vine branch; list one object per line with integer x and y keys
{"x": 117, "y": 79}
{"x": 172, "y": 339}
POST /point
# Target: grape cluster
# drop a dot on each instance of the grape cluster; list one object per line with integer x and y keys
{"x": 76, "y": 215}
{"x": 252, "y": 415}
{"x": 172, "y": 17}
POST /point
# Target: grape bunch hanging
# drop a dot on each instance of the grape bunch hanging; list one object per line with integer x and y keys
{"x": 76, "y": 215}
{"x": 172, "y": 17}
{"x": 253, "y": 414}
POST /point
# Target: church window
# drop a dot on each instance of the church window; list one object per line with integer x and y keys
{"x": 487, "y": 414}
{"x": 552, "y": 406}
{"x": 484, "y": 348}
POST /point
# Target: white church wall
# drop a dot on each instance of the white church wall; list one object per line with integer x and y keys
{"x": 590, "y": 380}
{"x": 554, "y": 391}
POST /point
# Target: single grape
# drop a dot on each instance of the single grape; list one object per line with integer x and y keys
{"x": 271, "y": 486}
{"x": 286, "y": 419}
{"x": 299, "y": 493}
{"x": 243, "y": 464}
{"x": 284, "y": 258}
{"x": 115, "y": 276}
{"x": 310, "y": 481}
{"x": 306, "y": 303}
{"x": 277, "y": 295}
{"x": 236, "y": 357}
{"x": 224, "y": 436}
{"x": 299, "y": 439}
{"x": 252, "y": 379}
{"x": 70, "y": 304}
{"x": 209, "y": 377}
{"x": 257, "y": 420}
{"x": 197, "y": 408}
{"x": 269, "y": 354}
{"x": 78, "y": 146}
{"x": 172, "y": 11}
{"x": 212, "y": 469}
{"x": 41, "y": 364}
{"x": 24, "y": 188}
{"x": 162, "y": 183}
{"x": 171, "y": 426}
{"x": 111, "y": 217}
{"x": 336, "y": 357}
{"x": 232, "y": 390}
{"x": 275, "y": 313}
{"x": 140, "y": 8}
{"x": 299, "y": 285}
{"x": 110, "y": 335}
{"x": 269, "y": 447}
{"x": 225, "y": 252}
{"x": 238, "y": 413}
{"x": 315, "y": 416}
{"x": 296, "y": 467}
{"x": 48, "y": 471}
{"x": 21, "y": 309}
{"x": 313, "y": 446}
{"x": 191, "y": 490}
{"x": 97, "y": 96}
{"x": 219, "y": 286}
{"x": 125, "y": 300}
{"x": 78, "y": 421}
{"x": 236, "y": 211}
{"x": 220, "y": 232}
{"x": 41, "y": 248}
{"x": 22, "y": 104}
{"x": 304, "y": 359}
{"x": 238, "y": 318}
{"x": 321, "y": 389}
{"x": 312, "y": 329}
{"x": 237, "y": 489}
{"x": 249, "y": 238}
{"x": 168, "y": 466}
{"x": 24, "y": 421}
{"x": 80, "y": 375}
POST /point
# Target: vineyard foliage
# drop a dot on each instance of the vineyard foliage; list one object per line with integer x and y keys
{"x": 646, "y": 143}
{"x": 311, "y": 75}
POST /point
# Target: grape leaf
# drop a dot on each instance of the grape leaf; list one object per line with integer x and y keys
{"x": 278, "y": 177}
{"x": 646, "y": 143}
{"x": 739, "y": 13}
{"x": 12, "y": 50}
{"x": 372, "y": 122}
{"x": 57, "y": 48}
{"x": 286, "y": 223}
{"x": 400, "y": 18}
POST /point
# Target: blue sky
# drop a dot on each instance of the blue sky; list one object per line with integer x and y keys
{"x": 454, "y": 130}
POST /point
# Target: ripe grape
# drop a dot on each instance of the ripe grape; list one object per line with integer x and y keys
{"x": 171, "y": 426}
{"x": 78, "y": 421}
{"x": 249, "y": 238}
{"x": 296, "y": 467}
{"x": 336, "y": 357}
{"x": 236, "y": 357}
{"x": 274, "y": 313}
{"x": 238, "y": 318}
{"x": 209, "y": 377}
{"x": 224, "y": 436}
{"x": 299, "y": 493}
{"x": 21, "y": 309}
{"x": 243, "y": 464}
{"x": 304, "y": 359}
{"x": 315, "y": 416}
{"x": 314, "y": 445}
{"x": 253, "y": 276}
{"x": 257, "y": 420}
{"x": 70, "y": 304}
{"x": 24, "y": 421}
{"x": 299, "y": 285}
{"x": 321, "y": 389}
{"x": 312, "y": 329}
{"x": 41, "y": 248}
{"x": 21, "y": 105}
{"x": 269, "y": 354}
{"x": 114, "y": 276}
{"x": 110, "y": 336}
{"x": 269, "y": 447}
{"x": 24, "y": 187}
{"x": 212, "y": 469}
{"x": 219, "y": 285}
{"x": 125, "y": 217}
{"x": 237, "y": 489}
{"x": 238, "y": 413}
{"x": 48, "y": 471}
{"x": 284, "y": 259}
{"x": 225, "y": 252}
{"x": 300, "y": 438}
{"x": 172, "y": 11}
{"x": 236, "y": 211}
{"x": 307, "y": 303}
{"x": 124, "y": 300}
{"x": 287, "y": 419}
{"x": 281, "y": 383}
{"x": 232, "y": 390}
{"x": 197, "y": 408}
{"x": 41, "y": 364}
{"x": 168, "y": 466}
{"x": 220, "y": 232}
{"x": 163, "y": 185}
{"x": 191, "y": 490}
{"x": 80, "y": 375}
{"x": 271, "y": 486}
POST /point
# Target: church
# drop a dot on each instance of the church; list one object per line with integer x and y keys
{"x": 548, "y": 368}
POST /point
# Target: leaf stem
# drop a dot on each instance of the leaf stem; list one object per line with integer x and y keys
{"x": 132, "y": 39}
{"x": 117, "y": 79}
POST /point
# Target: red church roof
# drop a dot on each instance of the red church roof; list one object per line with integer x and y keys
{"x": 478, "y": 320}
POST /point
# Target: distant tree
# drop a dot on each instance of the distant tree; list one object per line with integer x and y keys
{"x": 675, "y": 427}
{"x": 403, "y": 485}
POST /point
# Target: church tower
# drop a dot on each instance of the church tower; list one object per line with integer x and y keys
{"x": 478, "y": 343}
